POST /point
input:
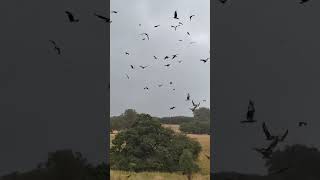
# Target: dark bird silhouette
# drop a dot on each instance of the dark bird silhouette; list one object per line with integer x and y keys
{"x": 188, "y": 33}
{"x": 223, "y": 1}
{"x": 167, "y": 65}
{"x": 173, "y": 89}
{"x": 174, "y": 56}
{"x": 71, "y": 17}
{"x": 160, "y": 85}
{"x": 107, "y": 20}
{"x": 55, "y": 47}
{"x": 139, "y": 24}
{"x": 302, "y": 124}
{"x": 170, "y": 82}
{"x": 146, "y": 34}
{"x": 175, "y": 27}
{"x": 167, "y": 57}
{"x": 127, "y": 53}
{"x": 180, "y": 24}
{"x": 204, "y": 60}
{"x": 195, "y": 105}
{"x": 193, "y": 108}
{"x": 267, "y": 152}
{"x": 127, "y": 76}
{"x": 172, "y": 108}
{"x": 143, "y": 67}
{"x": 180, "y": 40}
{"x": 175, "y": 16}
{"x": 115, "y": 12}
{"x": 155, "y": 57}
{"x": 157, "y": 25}
{"x": 303, "y": 1}
{"x": 267, "y": 133}
{"x": 208, "y": 157}
{"x": 146, "y": 88}
{"x": 191, "y": 16}
{"x": 250, "y": 113}
{"x": 188, "y": 97}
{"x": 283, "y": 137}
{"x": 131, "y": 66}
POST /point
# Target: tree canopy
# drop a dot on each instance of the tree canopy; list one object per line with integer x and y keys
{"x": 147, "y": 146}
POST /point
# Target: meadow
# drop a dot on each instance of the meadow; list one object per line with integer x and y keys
{"x": 203, "y": 162}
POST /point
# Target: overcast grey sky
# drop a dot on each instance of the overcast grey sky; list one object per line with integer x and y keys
{"x": 191, "y": 76}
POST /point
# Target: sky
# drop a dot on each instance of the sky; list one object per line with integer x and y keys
{"x": 267, "y": 51}
{"x": 51, "y": 102}
{"x": 190, "y": 76}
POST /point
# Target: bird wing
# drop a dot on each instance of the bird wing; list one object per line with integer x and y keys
{"x": 265, "y": 130}
{"x": 273, "y": 145}
{"x": 284, "y": 135}
{"x": 193, "y": 103}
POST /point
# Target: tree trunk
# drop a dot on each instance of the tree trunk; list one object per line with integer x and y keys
{"x": 189, "y": 176}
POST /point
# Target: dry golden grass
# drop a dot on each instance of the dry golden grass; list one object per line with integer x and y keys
{"x": 202, "y": 161}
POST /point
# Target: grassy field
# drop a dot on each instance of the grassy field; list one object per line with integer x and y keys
{"x": 202, "y": 161}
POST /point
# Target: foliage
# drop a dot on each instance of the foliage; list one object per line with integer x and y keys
{"x": 175, "y": 120}
{"x": 202, "y": 114}
{"x": 187, "y": 164}
{"x": 195, "y": 127}
{"x": 63, "y": 165}
{"x": 123, "y": 121}
{"x": 147, "y": 146}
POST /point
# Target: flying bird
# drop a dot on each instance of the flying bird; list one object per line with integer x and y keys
{"x": 302, "y": 124}
{"x": 127, "y": 53}
{"x": 143, "y": 67}
{"x": 204, "y": 60}
{"x": 167, "y": 57}
{"x": 115, "y": 12}
{"x": 146, "y": 34}
{"x": 267, "y": 133}
{"x": 131, "y": 66}
{"x": 180, "y": 23}
{"x": 171, "y": 108}
{"x": 223, "y": 1}
{"x": 71, "y": 17}
{"x": 175, "y": 27}
{"x": 208, "y": 157}
{"x": 155, "y": 57}
{"x": 167, "y": 65}
{"x": 303, "y": 1}
{"x": 174, "y": 56}
{"x": 56, "y": 48}
{"x": 107, "y": 20}
{"x": 188, "y": 97}
{"x": 146, "y": 88}
{"x": 175, "y": 15}
{"x": 157, "y": 25}
{"x": 170, "y": 82}
{"x": 127, "y": 76}
{"x": 188, "y": 33}
{"x": 267, "y": 152}
{"x": 160, "y": 85}
{"x": 180, "y": 40}
{"x": 284, "y": 136}
{"x": 191, "y": 16}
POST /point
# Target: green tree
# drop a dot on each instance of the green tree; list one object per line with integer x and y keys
{"x": 202, "y": 114}
{"x": 147, "y": 146}
{"x": 187, "y": 164}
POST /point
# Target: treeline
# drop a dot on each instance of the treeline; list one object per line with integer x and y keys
{"x": 148, "y": 146}
{"x": 63, "y": 165}
{"x": 198, "y": 124}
